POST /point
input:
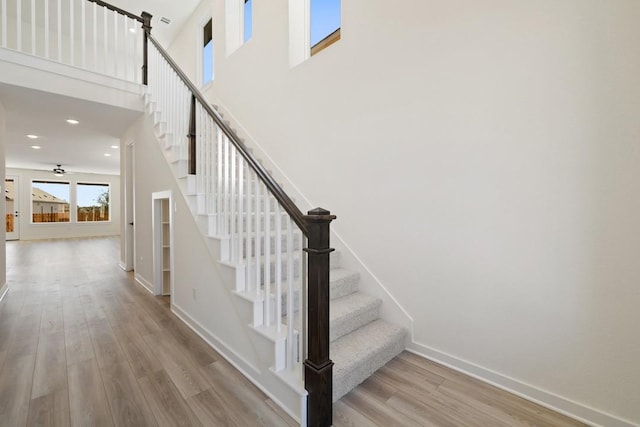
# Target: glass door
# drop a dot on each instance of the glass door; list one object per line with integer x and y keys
{"x": 12, "y": 208}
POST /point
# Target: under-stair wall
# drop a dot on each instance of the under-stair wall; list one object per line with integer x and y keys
{"x": 203, "y": 295}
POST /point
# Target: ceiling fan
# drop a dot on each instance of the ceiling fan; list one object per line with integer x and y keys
{"x": 58, "y": 171}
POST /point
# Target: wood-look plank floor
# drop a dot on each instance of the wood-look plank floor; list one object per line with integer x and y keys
{"x": 81, "y": 344}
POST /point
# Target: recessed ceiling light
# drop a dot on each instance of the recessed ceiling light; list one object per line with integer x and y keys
{"x": 36, "y": 147}
{"x": 107, "y": 155}
{"x": 31, "y": 136}
{"x": 72, "y": 121}
{"x": 115, "y": 147}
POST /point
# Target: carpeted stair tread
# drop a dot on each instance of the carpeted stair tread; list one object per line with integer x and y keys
{"x": 342, "y": 282}
{"x": 351, "y": 312}
{"x": 359, "y": 354}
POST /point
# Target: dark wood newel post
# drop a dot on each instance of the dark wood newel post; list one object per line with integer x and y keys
{"x": 146, "y": 27}
{"x": 192, "y": 136}
{"x": 318, "y": 368}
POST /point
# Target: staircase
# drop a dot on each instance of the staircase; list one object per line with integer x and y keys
{"x": 361, "y": 342}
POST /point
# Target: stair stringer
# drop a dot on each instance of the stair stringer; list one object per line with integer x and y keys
{"x": 281, "y": 387}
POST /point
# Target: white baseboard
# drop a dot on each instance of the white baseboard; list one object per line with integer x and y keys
{"x": 144, "y": 283}
{"x": 123, "y": 266}
{"x": 3, "y": 291}
{"x": 570, "y": 408}
{"x": 246, "y": 368}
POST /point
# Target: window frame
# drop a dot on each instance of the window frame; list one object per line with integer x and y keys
{"x": 235, "y": 24}
{"x": 300, "y": 33}
{"x": 77, "y": 205}
{"x": 49, "y": 181}
{"x": 327, "y": 40}
{"x": 200, "y": 52}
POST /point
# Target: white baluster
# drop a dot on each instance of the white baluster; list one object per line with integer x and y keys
{"x": 83, "y": 37}
{"x": 199, "y": 151}
{"x": 95, "y": 36}
{"x": 258, "y": 236}
{"x": 302, "y": 306}
{"x": 242, "y": 216}
{"x": 46, "y": 29}
{"x": 290, "y": 293}
{"x": 233, "y": 223}
{"x": 19, "y": 26}
{"x": 59, "y": 4}
{"x": 105, "y": 47}
{"x": 116, "y": 47}
{"x": 249, "y": 248}
{"x": 72, "y": 56}
{"x": 267, "y": 258}
{"x": 218, "y": 189}
{"x": 125, "y": 38}
{"x": 4, "y": 23}
{"x": 33, "y": 27}
{"x": 278, "y": 265}
{"x": 227, "y": 179}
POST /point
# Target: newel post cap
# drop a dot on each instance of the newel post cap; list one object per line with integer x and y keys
{"x": 320, "y": 215}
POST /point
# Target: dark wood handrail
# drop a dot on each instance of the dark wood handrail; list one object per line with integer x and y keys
{"x": 117, "y": 9}
{"x": 274, "y": 188}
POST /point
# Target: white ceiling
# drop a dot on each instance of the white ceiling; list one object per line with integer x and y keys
{"x": 178, "y": 11}
{"x": 79, "y": 148}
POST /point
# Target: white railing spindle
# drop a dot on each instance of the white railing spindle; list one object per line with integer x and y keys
{"x": 46, "y": 29}
{"x": 241, "y": 213}
{"x": 290, "y": 293}
{"x": 258, "y": 237}
{"x": 251, "y": 260}
{"x": 33, "y": 27}
{"x": 267, "y": 259}
{"x": 95, "y": 36}
{"x": 278, "y": 266}
{"x": 19, "y": 26}
{"x": 83, "y": 29}
{"x": 59, "y": 29}
{"x": 72, "y": 56}
{"x": 4, "y": 23}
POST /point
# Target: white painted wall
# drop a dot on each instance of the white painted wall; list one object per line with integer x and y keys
{"x": 483, "y": 159}
{"x": 29, "y": 231}
{"x": 3, "y": 248}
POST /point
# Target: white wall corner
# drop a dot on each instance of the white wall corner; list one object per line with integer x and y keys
{"x": 3, "y": 291}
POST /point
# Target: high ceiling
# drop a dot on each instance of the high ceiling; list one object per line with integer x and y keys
{"x": 81, "y": 147}
{"x": 175, "y": 10}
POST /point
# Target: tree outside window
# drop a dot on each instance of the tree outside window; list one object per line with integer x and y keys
{"x": 93, "y": 202}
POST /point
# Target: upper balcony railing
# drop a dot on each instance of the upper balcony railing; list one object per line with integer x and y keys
{"x": 88, "y": 34}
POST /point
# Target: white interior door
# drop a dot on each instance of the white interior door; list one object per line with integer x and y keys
{"x": 11, "y": 197}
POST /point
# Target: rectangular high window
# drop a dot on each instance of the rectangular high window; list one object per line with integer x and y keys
{"x": 207, "y": 52}
{"x": 92, "y": 202}
{"x": 325, "y": 24}
{"x": 248, "y": 19}
{"x": 49, "y": 201}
